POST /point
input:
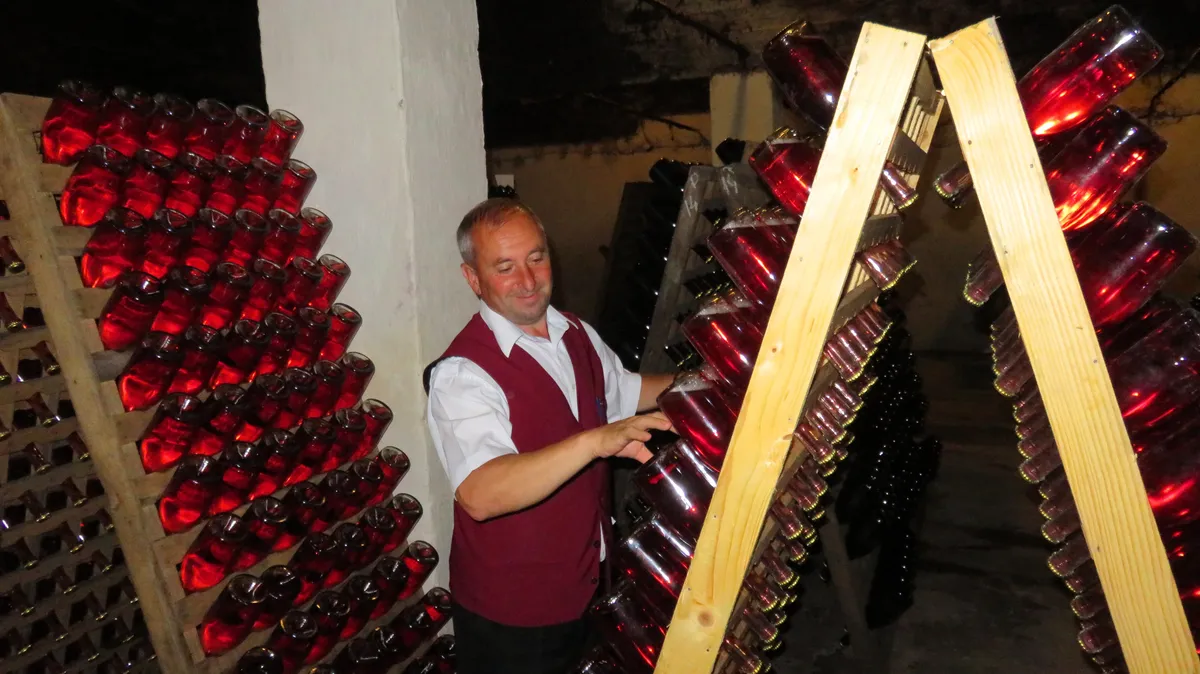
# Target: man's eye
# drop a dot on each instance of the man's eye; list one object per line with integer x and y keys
{"x": 504, "y": 270}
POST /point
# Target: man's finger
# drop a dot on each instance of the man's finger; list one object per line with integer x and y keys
{"x": 655, "y": 420}
{"x": 636, "y": 451}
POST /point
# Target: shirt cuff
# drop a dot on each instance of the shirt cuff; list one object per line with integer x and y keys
{"x": 631, "y": 391}
{"x": 472, "y": 461}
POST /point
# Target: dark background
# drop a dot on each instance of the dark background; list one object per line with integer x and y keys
{"x": 554, "y": 71}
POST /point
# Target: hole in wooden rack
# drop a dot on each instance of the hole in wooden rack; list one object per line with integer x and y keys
{"x": 4, "y": 210}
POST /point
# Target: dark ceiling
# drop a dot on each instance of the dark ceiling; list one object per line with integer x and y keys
{"x": 196, "y": 49}
{"x": 554, "y": 71}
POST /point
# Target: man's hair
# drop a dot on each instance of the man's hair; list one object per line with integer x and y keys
{"x": 493, "y": 213}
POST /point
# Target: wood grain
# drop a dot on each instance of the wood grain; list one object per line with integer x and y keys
{"x": 1063, "y": 350}
{"x": 873, "y": 99}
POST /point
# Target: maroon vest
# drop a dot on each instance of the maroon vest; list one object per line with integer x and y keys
{"x": 541, "y": 565}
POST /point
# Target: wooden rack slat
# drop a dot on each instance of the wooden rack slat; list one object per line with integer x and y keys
{"x": 96, "y": 585}
{"x": 690, "y": 228}
{"x": 67, "y": 514}
{"x": 38, "y": 435}
{"x": 16, "y": 664}
{"x": 104, "y": 544}
{"x": 872, "y": 102}
{"x": 24, "y": 390}
{"x": 1063, "y": 350}
{"x": 37, "y": 482}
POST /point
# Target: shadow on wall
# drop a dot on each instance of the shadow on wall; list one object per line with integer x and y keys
{"x": 557, "y": 299}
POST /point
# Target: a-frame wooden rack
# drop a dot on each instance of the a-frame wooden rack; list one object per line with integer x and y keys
{"x": 888, "y": 87}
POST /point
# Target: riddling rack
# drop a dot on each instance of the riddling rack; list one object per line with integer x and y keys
{"x": 128, "y": 495}
{"x": 888, "y": 110}
{"x": 65, "y": 578}
{"x": 727, "y": 188}
{"x": 1063, "y": 349}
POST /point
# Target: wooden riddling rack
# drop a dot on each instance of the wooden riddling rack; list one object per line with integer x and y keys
{"x": 73, "y": 600}
{"x": 726, "y": 188}
{"x": 49, "y": 249}
{"x": 888, "y": 109}
{"x": 1061, "y": 342}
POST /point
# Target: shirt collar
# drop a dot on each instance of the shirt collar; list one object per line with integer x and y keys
{"x": 509, "y": 334}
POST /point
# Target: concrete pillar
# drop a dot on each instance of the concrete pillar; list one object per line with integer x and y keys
{"x": 391, "y": 98}
{"x": 745, "y": 106}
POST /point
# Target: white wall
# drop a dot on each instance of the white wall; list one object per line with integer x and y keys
{"x": 390, "y": 95}
{"x": 576, "y": 191}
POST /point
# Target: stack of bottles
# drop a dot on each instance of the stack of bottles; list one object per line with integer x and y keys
{"x": 887, "y": 477}
{"x": 42, "y": 562}
{"x": 642, "y": 251}
{"x": 439, "y": 659}
{"x": 229, "y": 307}
{"x": 726, "y": 332}
{"x": 1093, "y": 154}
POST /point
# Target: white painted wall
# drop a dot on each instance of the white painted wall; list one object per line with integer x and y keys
{"x": 391, "y": 98}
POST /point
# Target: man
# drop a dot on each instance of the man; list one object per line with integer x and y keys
{"x": 524, "y": 407}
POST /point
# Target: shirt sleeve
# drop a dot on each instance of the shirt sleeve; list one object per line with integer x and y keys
{"x": 468, "y": 418}
{"x": 622, "y": 388}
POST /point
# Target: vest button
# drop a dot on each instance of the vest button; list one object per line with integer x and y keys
{"x": 595, "y": 580}
{"x": 595, "y": 544}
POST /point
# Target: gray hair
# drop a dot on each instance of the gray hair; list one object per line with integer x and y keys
{"x": 493, "y": 213}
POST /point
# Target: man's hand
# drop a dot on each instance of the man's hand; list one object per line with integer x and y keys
{"x": 626, "y": 438}
{"x": 515, "y": 481}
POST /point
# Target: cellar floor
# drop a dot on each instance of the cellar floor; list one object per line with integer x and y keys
{"x": 985, "y": 601}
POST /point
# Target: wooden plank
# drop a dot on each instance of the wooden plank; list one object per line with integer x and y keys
{"x": 690, "y": 229}
{"x": 30, "y": 529}
{"x": 48, "y": 645}
{"x": 36, "y": 218}
{"x": 38, "y": 434}
{"x": 91, "y": 301}
{"x": 22, "y": 339}
{"x": 97, "y": 585}
{"x": 878, "y": 229}
{"x": 24, "y": 390}
{"x": 71, "y": 240}
{"x": 740, "y": 187}
{"x": 15, "y": 283}
{"x": 845, "y": 585}
{"x": 103, "y": 543}
{"x": 54, "y": 476}
{"x": 52, "y": 177}
{"x": 1063, "y": 350}
{"x": 869, "y": 109}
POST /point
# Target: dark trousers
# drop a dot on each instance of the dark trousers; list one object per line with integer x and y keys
{"x": 487, "y": 647}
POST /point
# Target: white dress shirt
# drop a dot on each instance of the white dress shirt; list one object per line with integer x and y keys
{"x": 467, "y": 412}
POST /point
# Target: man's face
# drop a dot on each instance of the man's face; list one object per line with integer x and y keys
{"x": 512, "y": 269}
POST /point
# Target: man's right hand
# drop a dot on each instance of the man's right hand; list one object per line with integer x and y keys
{"x": 626, "y": 438}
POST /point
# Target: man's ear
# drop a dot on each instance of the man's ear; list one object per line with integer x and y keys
{"x": 472, "y": 278}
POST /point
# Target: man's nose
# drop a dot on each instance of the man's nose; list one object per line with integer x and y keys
{"x": 525, "y": 277}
